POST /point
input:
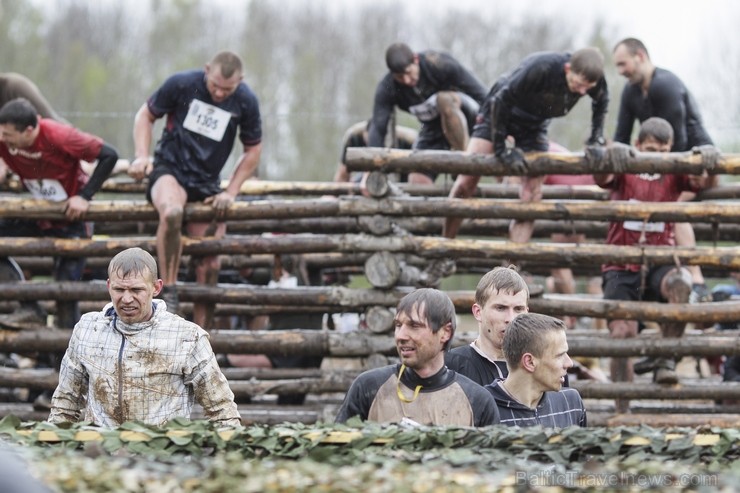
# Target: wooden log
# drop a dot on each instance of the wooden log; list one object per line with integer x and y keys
{"x": 339, "y": 299}
{"x": 305, "y": 188}
{"x": 665, "y": 420}
{"x": 627, "y": 390}
{"x": 379, "y": 319}
{"x": 328, "y": 343}
{"x": 562, "y": 254}
{"x": 395, "y": 206}
{"x": 377, "y": 184}
{"x": 339, "y": 381}
{"x": 382, "y": 270}
{"x": 382, "y": 225}
{"x": 539, "y": 163}
{"x": 376, "y": 225}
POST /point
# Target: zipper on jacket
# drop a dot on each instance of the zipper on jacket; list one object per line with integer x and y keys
{"x": 120, "y": 372}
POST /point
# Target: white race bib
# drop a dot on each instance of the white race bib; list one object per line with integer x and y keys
{"x": 46, "y": 189}
{"x": 207, "y": 120}
{"x": 426, "y": 111}
{"x": 643, "y": 226}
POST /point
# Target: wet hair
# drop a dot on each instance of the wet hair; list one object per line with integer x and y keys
{"x": 588, "y": 63}
{"x": 527, "y": 333}
{"x": 436, "y": 307}
{"x": 133, "y": 261}
{"x": 633, "y": 45}
{"x": 229, "y": 63}
{"x": 500, "y": 279}
{"x": 657, "y": 128}
{"x": 398, "y": 57}
{"x": 20, "y": 113}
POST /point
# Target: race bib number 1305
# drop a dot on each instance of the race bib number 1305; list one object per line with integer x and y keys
{"x": 207, "y": 120}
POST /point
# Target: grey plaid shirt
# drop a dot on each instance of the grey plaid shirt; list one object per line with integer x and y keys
{"x": 150, "y": 372}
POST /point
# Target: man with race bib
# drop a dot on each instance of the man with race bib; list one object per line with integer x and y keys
{"x": 46, "y": 156}
{"x": 205, "y": 109}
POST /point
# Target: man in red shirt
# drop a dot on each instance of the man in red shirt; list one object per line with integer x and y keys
{"x": 658, "y": 283}
{"x": 46, "y": 155}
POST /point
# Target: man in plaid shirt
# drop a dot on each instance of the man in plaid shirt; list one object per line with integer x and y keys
{"x": 134, "y": 360}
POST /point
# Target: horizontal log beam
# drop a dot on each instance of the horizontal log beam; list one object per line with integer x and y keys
{"x": 339, "y": 381}
{"x": 359, "y": 344}
{"x": 121, "y": 210}
{"x": 339, "y": 299}
{"x": 257, "y": 188}
{"x": 539, "y": 163}
{"x": 627, "y": 390}
{"x": 563, "y": 254}
{"x": 417, "y": 225}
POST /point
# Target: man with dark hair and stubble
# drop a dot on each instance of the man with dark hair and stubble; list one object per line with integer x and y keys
{"x": 420, "y": 390}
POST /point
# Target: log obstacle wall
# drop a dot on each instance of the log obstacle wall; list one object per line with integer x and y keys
{"x": 346, "y": 234}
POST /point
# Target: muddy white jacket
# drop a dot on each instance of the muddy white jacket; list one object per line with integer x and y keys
{"x": 150, "y": 372}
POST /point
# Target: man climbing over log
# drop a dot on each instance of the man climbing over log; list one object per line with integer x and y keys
{"x": 420, "y": 390}
{"x": 204, "y": 109}
{"x": 520, "y": 106}
{"x": 434, "y": 87}
{"x": 536, "y": 351}
{"x": 46, "y": 155}
{"x": 633, "y": 282}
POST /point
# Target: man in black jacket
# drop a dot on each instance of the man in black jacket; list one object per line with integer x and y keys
{"x": 434, "y": 87}
{"x": 520, "y": 106}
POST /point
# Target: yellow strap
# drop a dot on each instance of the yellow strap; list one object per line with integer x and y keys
{"x": 398, "y": 387}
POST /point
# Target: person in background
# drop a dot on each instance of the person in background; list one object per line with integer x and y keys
{"x": 420, "y": 390}
{"x": 46, "y": 156}
{"x": 135, "y": 361}
{"x": 634, "y": 282}
{"x": 434, "y": 87}
{"x": 520, "y": 106}
{"x": 656, "y": 92}
{"x": 205, "y": 109}
{"x": 501, "y": 295}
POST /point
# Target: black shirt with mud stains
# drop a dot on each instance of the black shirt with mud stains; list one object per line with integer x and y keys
{"x": 536, "y": 91}
{"x": 668, "y": 98}
{"x": 437, "y": 72}
{"x": 446, "y": 398}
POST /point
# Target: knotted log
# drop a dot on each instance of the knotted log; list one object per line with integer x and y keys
{"x": 359, "y": 344}
{"x": 539, "y": 163}
{"x": 395, "y": 206}
{"x": 561, "y": 254}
